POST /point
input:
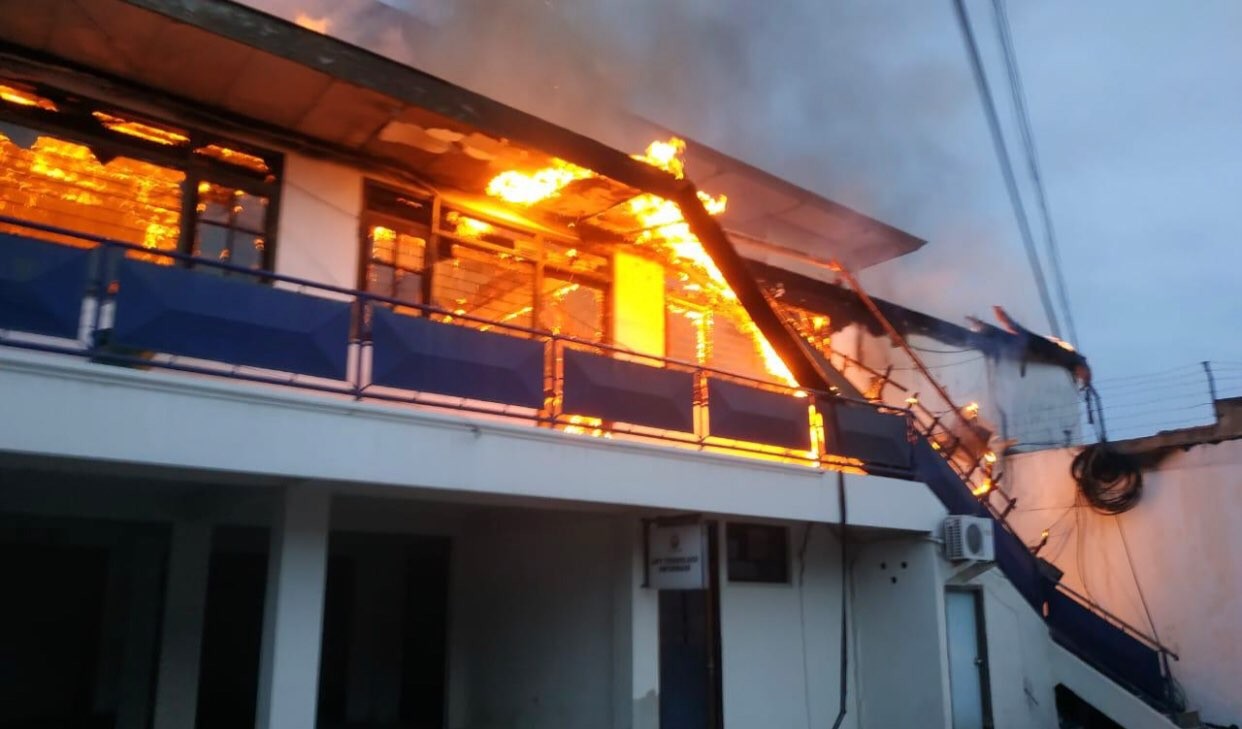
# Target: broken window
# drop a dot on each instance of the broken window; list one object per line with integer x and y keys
{"x": 68, "y": 164}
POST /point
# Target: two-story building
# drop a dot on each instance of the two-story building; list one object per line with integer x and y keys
{"x": 334, "y": 395}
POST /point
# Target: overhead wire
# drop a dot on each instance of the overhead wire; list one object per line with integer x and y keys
{"x": 1016, "y": 90}
{"x": 1002, "y": 155}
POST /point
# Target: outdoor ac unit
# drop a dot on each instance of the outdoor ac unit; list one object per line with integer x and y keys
{"x": 969, "y": 538}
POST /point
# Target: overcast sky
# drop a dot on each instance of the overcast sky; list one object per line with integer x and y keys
{"x": 1136, "y": 106}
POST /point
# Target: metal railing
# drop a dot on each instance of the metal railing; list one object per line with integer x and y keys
{"x": 102, "y": 292}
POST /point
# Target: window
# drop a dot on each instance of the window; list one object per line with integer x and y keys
{"x": 394, "y": 256}
{"x": 230, "y": 226}
{"x": 758, "y": 553}
{"x": 69, "y": 163}
{"x": 480, "y": 273}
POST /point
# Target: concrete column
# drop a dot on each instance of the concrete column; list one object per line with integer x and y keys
{"x": 636, "y": 635}
{"x": 176, "y": 690}
{"x": 293, "y": 610}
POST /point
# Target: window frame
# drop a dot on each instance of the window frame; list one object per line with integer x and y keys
{"x": 74, "y": 122}
{"x": 786, "y": 577}
{"x": 439, "y": 236}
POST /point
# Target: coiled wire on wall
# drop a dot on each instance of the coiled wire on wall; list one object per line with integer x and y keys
{"x": 1109, "y": 480}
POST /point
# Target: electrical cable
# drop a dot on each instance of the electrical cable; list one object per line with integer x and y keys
{"x": 806, "y": 664}
{"x": 1032, "y": 159}
{"x": 1110, "y": 481}
{"x": 1011, "y": 183}
{"x": 845, "y": 656}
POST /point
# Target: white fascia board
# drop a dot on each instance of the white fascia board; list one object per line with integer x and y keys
{"x": 64, "y": 407}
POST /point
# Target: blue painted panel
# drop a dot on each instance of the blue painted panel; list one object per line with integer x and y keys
{"x": 197, "y": 314}
{"x": 41, "y": 286}
{"x": 1105, "y": 646}
{"x": 628, "y": 392}
{"x": 862, "y": 432}
{"x": 415, "y": 353}
{"x": 757, "y": 416}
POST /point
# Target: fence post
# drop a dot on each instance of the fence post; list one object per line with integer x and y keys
{"x": 1211, "y": 382}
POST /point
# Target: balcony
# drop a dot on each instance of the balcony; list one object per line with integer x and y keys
{"x": 121, "y": 305}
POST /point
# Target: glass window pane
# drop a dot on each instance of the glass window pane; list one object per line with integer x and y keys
{"x": 410, "y": 251}
{"x": 212, "y": 243}
{"x": 485, "y": 284}
{"x": 247, "y": 251}
{"x": 383, "y": 241}
{"x": 572, "y": 309}
{"x": 250, "y": 211}
{"x": 215, "y": 203}
{"x": 409, "y": 287}
{"x": 380, "y": 279}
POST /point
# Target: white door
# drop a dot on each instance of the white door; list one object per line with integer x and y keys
{"x": 967, "y": 660}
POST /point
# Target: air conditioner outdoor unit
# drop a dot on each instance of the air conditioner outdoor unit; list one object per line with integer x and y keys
{"x": 969, "y": 538}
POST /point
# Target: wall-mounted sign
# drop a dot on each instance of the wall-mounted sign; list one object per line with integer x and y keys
{"x": 677, "y": 557}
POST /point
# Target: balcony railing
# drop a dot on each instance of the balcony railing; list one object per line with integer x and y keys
{"x": 123, "y": 305}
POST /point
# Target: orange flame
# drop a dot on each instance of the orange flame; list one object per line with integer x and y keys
{"x": 319, "y": 25}
{"x": 25, "y": 98}
{"x": 521, "y": 188}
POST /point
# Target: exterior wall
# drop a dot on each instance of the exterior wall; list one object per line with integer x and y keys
{"x": 781, "y": 642}
{"x": 1021, "y": 679}
{"x": 1182, "y": 538}
{"x": 899, "y": 625}
{"x": 316, "y": 437}
{"x": 1033, "y": 403}
{"x": 318, "y": 228}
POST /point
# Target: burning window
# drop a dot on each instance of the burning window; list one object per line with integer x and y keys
{"x": 480, "y": 272}
{"x": 58, "y": 183}
{"x": 105, "y": 173}
{"x": 488, "y": 283}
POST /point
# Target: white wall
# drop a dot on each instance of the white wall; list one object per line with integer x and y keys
{"x": 318, "y": 237}
{"x": 899, "y": 625}
{"x": 1184, "y": 541}
{"x": 781, "y": 643}
{"x": 1021, "y": 679}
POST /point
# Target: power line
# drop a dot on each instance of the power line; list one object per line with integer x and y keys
{"x": 1032, "y": 160}
{"x": 1011, "y": 183}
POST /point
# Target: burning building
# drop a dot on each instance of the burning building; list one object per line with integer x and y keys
{"x": 337, "y": 395}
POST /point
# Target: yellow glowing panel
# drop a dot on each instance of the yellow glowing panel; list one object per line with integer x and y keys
{"x": 61, "y": 184}
{"x": 638, "y": 304}
{"x": 25, "y": 98}
{"x": 139, "y": 130}
{"x": 234, "y": 157}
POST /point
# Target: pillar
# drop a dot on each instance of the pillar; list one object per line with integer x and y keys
{"x": 293, "y": 609}
{"x": 176, "y": 690}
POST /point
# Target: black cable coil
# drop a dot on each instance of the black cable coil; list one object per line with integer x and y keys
{"x": 1110, "y": 481}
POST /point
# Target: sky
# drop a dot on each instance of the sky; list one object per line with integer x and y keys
{"x": 1136, "y": 107}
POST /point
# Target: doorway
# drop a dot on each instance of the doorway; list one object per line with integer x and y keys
{"x": 968, "y": 660}
{"x": 690, "y": 676}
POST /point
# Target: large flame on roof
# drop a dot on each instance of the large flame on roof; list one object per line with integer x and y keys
{"x": 522, "y": 188}
{"x": 663, "y": 224}
{"x": 660, "y": 225}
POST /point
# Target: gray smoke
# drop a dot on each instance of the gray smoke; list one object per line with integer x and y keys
{"x": 867, "y": 103}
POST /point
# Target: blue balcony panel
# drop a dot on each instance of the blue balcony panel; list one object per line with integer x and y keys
{"x": 415, "y": 353}
{"x": 757, "y": 416}
{"x": 859, "y": 431}
{"x": 1105, "y": 646}
{"x": 628, "y": 392}
{"x": 41, "y": 286}
{"x": 201, "y": 315}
